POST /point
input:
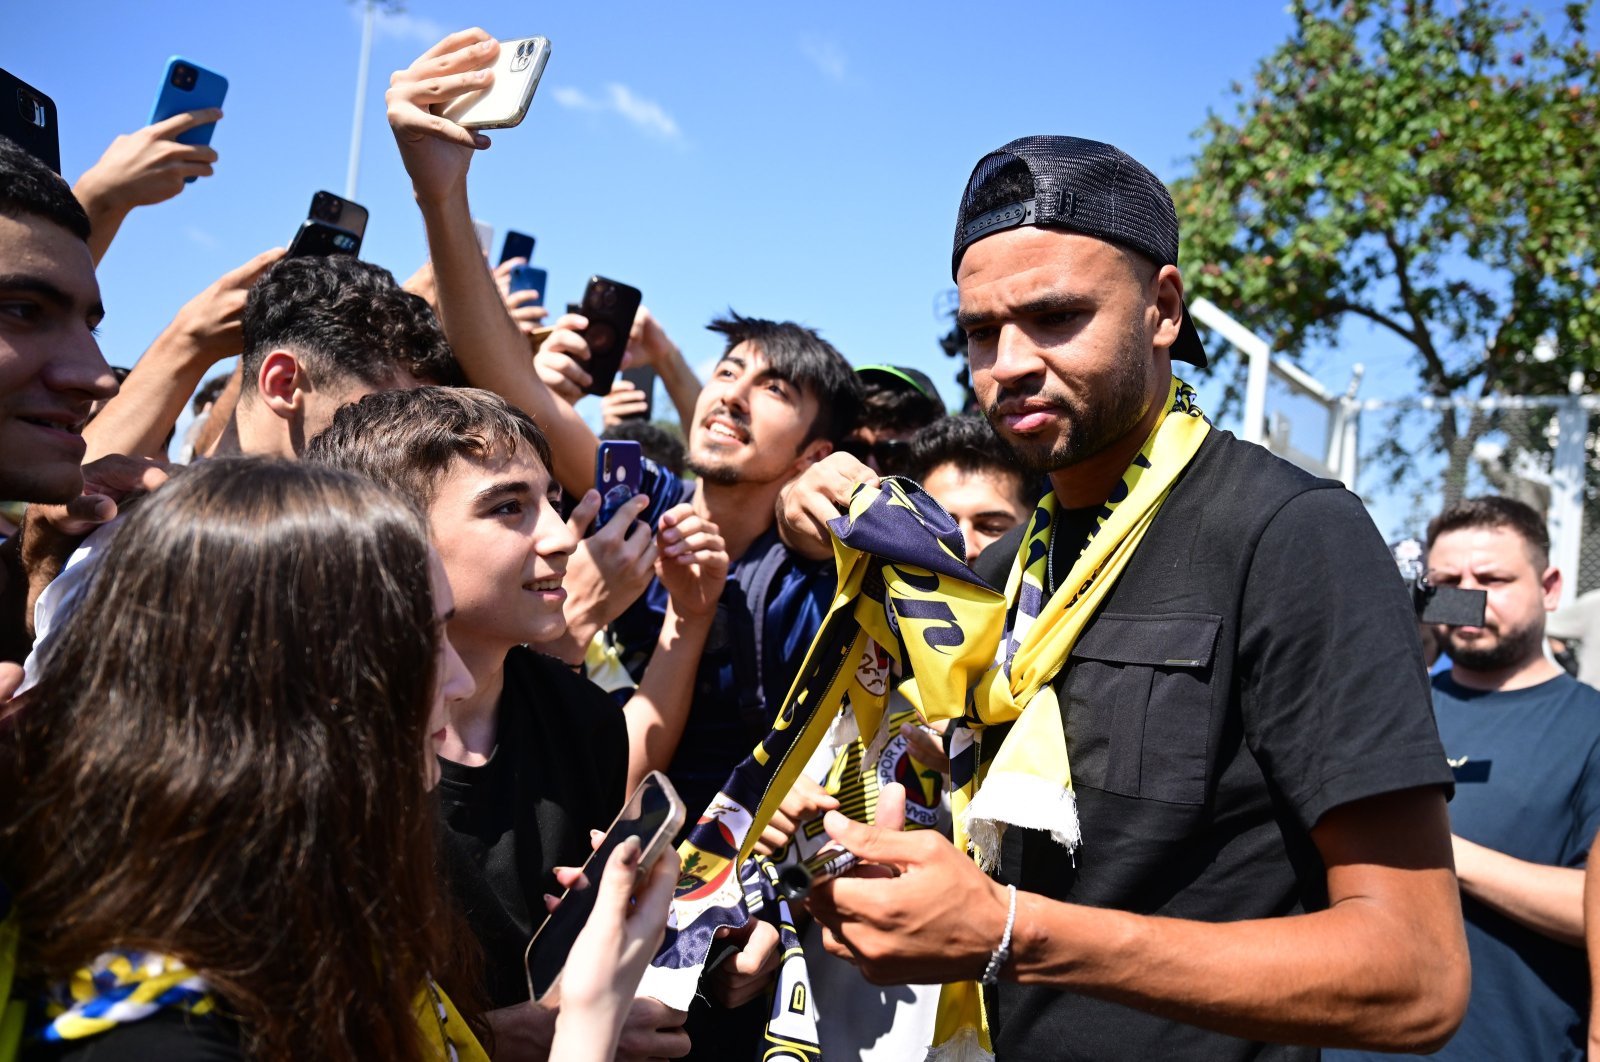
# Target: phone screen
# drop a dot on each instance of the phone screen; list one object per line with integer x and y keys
{"x": 610, "y": 308}
{"x": 653, "y": 814}
{"x": 320, "y": 238}
{"x": 517, "y": 245}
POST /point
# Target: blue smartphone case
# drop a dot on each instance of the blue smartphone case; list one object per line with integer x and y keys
{"x": 618, "y": 476}
{"x": 208, "y": 91}
{"x": 529, "y": 278}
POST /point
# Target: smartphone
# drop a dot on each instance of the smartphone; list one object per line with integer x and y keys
{"x": 618, "y": 476}
{"x": 517, "y": 245}
{"x": 654, "y": 814}
{"x": 320, "y": 238}
{"x": 644, "y": 378}
{"x": 610, "y": 308}
{"x": 28, "y": 116}
{"x": 339, "y": 212}
{"x": 188, "y": 87}
{"x": 504, "y": 103}
{"x": 485, "y": 233}
{"x": 529, "y": 278}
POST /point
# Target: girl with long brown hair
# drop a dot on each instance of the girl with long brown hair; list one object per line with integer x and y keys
{"x": 216, "y": 818}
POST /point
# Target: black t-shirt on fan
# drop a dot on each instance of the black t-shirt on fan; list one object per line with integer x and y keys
{"x": 559, "y": 770}
{"x": 1256, "y": 665}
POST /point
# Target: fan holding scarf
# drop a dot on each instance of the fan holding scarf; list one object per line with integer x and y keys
{"x": 1200, "y": 797}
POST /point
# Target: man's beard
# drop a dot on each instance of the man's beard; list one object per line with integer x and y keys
{"x": 1091, "y": 426}
{"x": 714, "y": 472}
{"x": 1510, "y": 648}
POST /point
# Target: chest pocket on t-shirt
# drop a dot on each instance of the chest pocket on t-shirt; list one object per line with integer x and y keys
{"x": 1136, "y": 701}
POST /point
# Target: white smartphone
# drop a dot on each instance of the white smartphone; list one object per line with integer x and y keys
{"x": 485, "y": 233}
{"x": 654, "y": 814}
{"x": 504, "y": 103}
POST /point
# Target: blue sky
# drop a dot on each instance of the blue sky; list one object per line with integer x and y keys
{"x": 792, "y": 161}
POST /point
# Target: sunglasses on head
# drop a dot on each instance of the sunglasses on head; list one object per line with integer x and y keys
{"x": 886, "y": 453}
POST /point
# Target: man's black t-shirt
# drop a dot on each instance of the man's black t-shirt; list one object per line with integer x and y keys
{"x": 559, "y": 770}
{"x": 1256, "y": 665}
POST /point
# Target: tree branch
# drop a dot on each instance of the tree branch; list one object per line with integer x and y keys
{"x": 1418, "y": 334}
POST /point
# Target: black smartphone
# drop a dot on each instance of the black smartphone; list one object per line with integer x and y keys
{"x": 654, "y": 814}
{"x": 644, "y": 378}
{"x": 318, "y": 237}
{"x": 339, "y": 212}
{"x": 28, "y": 116}
{"x": 610, "y": 308}
{"x": 529, "y": 278}
{"x": 517, "y": 245}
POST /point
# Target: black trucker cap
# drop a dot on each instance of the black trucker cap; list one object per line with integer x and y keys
{"x": 1084, "y": 186}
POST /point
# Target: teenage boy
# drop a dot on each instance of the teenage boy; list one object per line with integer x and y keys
{"x": 537, "y": 756}
{"x": 778, "y": 400}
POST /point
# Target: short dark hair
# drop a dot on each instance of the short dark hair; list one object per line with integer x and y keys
{"x": 971, "y": 445}
{"x": 208, "y": 393}
{"x": 407, "y": 440}
{"x": 655, "y": 442}
{"x": 889, "y": 404}
{"x": 345, "y": 319}
{"x": 1494, "y": 511}
{"x": 29, "y": 188}
{"x": 800, "y": 356}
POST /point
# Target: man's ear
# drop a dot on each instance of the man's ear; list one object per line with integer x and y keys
{"x": 811, "y": 453}
{"x": 1551, "y": 584}
{"x": 1169, "y": 306}
{"x": 281, "y": 384}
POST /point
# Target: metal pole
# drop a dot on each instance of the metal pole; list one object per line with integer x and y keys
{"x": 1566, "y": 489}
{"x": 1260, "y": 354}
{"x": 354, "y": 170}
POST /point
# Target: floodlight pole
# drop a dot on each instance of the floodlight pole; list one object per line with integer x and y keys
{"x": 353, "y": 173}
{"x": 1567, "y": 488}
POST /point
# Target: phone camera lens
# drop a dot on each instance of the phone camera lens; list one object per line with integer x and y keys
{"x": 31, "y": 108}
{"x": 184, "y": 76}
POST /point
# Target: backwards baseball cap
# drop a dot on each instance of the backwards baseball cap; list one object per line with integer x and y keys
{"x": 903, "y": 375}
{"x": 1083, "y": 186}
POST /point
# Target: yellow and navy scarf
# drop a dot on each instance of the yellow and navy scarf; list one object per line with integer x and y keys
{"x": 124, "y": 986}
{"x": 904, "y": 586}
{"x": 1027, "y": 780}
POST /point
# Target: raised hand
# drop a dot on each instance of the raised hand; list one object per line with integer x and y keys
{"x": 521, "y": 304}
{"x": 436, "y": 151}
{"x": 142, "y": 168}
{"x": 692, "y": 561}
{"x": 625, "y": 402}
{"x": 563, "y": 358}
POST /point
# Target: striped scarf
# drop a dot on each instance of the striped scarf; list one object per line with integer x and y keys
{"x": 124, "y": 986}
{"x": 1026, "y": 781}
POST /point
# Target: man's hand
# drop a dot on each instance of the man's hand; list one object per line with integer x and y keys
{"x": 806, "y": 800}
{"x": 746, "y": 973}
{"x": 522, "y": 305}
{"x": 692, "y": 561}
{"x": 925, "y": 745}
{"x": 436, "y": 151}
{"x": 625, "y": 402}
{"x": 141, "y": 169}
{"x": 522, "y": 1033}
{"x": 608, "y": 571}
{"x": 422, "y": 284}
{"x": 652, "y": 1030}
{"x": 210, "y": 322}
{"x": 937, "y": 919}
{"x": 647, "y": 341}
{"x": 817, "y": 495}
{"x": 563, "y": 358}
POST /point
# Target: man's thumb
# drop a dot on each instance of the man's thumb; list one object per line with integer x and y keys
{"x": 872, "y": 844}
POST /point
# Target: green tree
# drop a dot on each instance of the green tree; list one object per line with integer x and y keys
{"x": 1428, "y": 167}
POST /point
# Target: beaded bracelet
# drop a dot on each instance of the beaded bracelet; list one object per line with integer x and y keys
{"x": 991, "y": 973}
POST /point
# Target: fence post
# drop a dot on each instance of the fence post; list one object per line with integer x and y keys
{"x": 1566, "y": 488}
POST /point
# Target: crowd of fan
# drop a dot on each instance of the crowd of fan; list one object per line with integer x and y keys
{"x": 305, "y": 731}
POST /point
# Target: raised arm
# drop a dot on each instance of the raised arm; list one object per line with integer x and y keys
{"x": 650, "y": 345}
{"x": 205, "y": 331}
{"x": 692, "y": 562}
{"x": 437, "y": 153}
{"x": 141, "y": 169}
